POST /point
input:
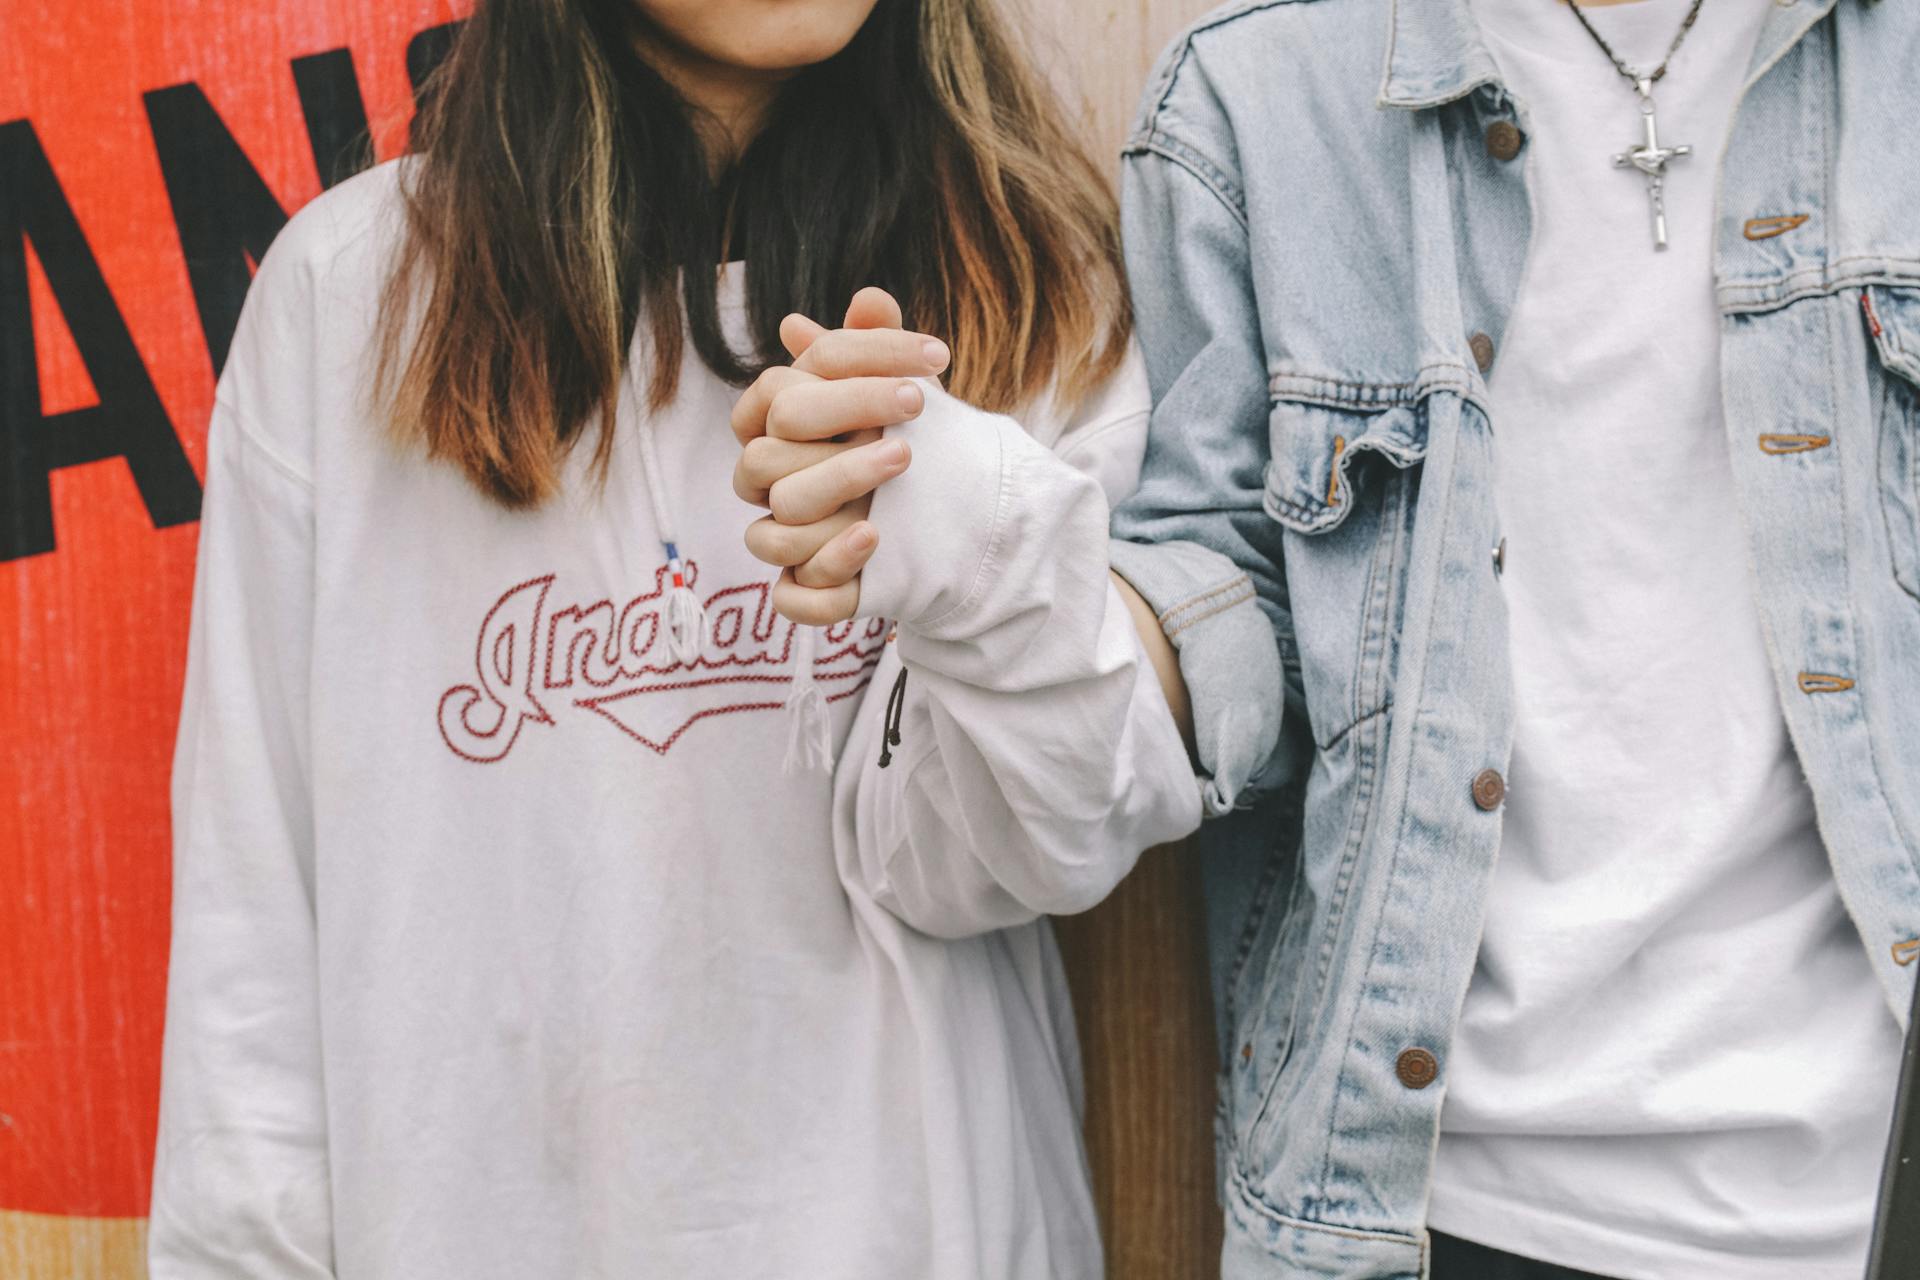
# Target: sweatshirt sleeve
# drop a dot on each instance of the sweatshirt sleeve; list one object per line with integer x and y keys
{"x": 240, "y": 1183}
{"x": 1037, "y": 757}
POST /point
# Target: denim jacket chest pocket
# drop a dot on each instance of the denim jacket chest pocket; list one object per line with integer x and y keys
{"x": 1893, "y": 319}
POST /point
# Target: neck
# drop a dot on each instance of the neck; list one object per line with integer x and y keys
{"x": 730, "y": 103}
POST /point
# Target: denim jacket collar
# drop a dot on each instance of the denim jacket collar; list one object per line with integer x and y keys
{"x": 1434, "y": 54}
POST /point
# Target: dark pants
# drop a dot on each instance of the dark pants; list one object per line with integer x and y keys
{"x": 1456, "y": 1259}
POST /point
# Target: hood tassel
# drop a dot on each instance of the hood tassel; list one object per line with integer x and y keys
{"x": 686, "y": 617}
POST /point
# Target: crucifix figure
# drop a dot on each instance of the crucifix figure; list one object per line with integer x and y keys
{"x": 1651, "y": 159}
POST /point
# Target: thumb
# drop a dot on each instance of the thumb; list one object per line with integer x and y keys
{"x": 874, "y": 308}
{"x": 797, "y": 333}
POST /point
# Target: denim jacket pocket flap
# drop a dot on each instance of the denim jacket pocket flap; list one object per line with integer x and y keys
{"x": 1893, "y": 318}
{"x": 1312, "y": 476}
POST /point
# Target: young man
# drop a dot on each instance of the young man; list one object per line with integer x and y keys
{"x": 1543, "y": 378}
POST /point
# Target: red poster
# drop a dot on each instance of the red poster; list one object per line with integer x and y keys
{"x": 148, "y": 154}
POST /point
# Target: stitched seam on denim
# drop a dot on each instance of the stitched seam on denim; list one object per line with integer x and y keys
{"x": 1371, "y": 646}
{"x": 1205, "y": 596}
{"x": 259, "y": 442}
{"x": 1886, "y": 406}
{"x": 1742, "y": 297}
{"x": 1835, "y": 370}
{"x": 1205, "y": 171}
{"x": 1250, "y": 1197}
{"x": 1838, "y": 275}
{"x": 1201, "y": 25}
{"x": 1307, "y": 388}
{"x": 1214, "y": 612}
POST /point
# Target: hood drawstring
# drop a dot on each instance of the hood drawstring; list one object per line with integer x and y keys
{"x": 686, "y": 618}
{"x": 809, "y": 728}
{"x": 896, "y": 711}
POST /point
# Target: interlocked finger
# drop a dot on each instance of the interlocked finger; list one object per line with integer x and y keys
{"x": 815, "y": 607}
{"x": 873, "y": 353}
{"x": 809, "y": 495}
{"x": 788, "y": 545}
{"x": 821, "y": 410}
{"x": 765, "y": 460}
{"x": 750, "y": 410}
{"x": 841, "y": 559}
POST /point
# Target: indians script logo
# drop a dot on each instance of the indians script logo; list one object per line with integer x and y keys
{"x": 533, "y": 659}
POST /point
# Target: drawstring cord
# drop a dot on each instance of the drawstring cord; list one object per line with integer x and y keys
{"x": 809, "y": 726}
{"x": 686, "y": 617}
{"x": 890, "y": 727}
{"x": 809, "y": 729}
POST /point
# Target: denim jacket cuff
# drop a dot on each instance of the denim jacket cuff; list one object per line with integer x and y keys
{"x": 1229, "y": 658}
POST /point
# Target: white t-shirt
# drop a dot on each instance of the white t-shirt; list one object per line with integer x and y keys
{"x": 1673, "y": 1061}
{"x": 505, "y": 944}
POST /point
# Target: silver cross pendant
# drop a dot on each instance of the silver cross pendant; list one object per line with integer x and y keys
{"x": 1651, "y": 159}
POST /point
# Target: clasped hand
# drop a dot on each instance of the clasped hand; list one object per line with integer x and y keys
{"x": 812, "y": 450}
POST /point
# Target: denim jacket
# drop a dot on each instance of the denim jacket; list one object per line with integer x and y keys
{"x": 1325, "y": 215}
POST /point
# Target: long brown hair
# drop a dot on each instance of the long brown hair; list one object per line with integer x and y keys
{"x": 564, "y": 194}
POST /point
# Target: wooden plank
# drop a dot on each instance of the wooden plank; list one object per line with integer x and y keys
{"x": 38, "y": 1246}
{"x": 1143, "y": 1006}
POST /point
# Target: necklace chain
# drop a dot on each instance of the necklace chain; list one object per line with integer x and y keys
{"x": 1633, "y": 77}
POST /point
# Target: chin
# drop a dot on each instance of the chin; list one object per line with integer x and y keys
{"x": 770, "y": 36}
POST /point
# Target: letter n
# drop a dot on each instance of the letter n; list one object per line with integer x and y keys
{"x": 225, "y": 214}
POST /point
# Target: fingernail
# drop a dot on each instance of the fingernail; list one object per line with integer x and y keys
{"x": 893, "y": 454}
{"x": 909, "y": 396}
{"x": 936, "y": 352}
{"x": 860, "y": 539}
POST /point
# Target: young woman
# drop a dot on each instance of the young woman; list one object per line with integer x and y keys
{"x": 546, "y": 903}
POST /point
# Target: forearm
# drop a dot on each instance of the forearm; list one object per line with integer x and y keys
{"x": 1160, "y": 655}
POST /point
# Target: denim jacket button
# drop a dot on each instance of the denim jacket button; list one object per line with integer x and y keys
{"x": 1489, "y": 789}
{"x": 1503, "y": 140}
{"x": 1482, "y": 347}
{"x": 1417, "y": 1068}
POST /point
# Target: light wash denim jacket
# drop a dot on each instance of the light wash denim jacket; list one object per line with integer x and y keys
{"x": 1318, "y": 224}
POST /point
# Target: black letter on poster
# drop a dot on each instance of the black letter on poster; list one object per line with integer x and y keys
{"x": 223, "y": 210}
{"x": 425, "y": 52}
{"x": 128, "y": 422}
{"x": 336, "y": 119}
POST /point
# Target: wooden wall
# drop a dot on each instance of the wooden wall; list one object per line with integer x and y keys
{"x": 1137, "y": 962}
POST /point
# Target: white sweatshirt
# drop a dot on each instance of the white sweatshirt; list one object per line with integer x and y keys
{"x": 504, "y": 944}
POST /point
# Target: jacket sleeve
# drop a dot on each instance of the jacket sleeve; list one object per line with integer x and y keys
{"x": 1194, "y": 540}
{"x": 1037, "y": 756}
{"x": 241, "y": 1173}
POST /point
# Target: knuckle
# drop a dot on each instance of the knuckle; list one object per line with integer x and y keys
{"x": 789, "y": 503}
{"x": 764, "y": 541}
